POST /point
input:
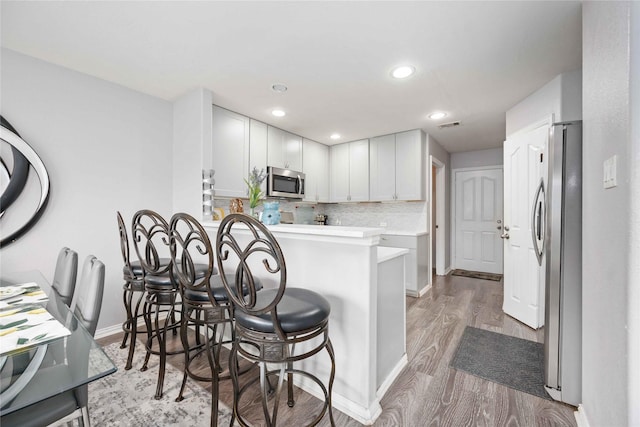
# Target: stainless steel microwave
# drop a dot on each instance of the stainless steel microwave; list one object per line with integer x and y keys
{"x": 284, "y": 183}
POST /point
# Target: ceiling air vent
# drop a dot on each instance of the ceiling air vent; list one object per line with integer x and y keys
{"x": 449, "y": 125}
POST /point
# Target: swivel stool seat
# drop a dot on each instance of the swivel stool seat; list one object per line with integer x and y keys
{"x": 150, "y": 233}
{"x": 280, "y": 325}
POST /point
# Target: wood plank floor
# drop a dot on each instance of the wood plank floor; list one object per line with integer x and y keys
{"x": 428, "y": 392}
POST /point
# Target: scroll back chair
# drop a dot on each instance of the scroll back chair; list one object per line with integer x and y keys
{"x": 204, "y": 300}
{"x": 132, "y": 274}
{"x": 150, "y": 233}
{"x": 270, "y": 324}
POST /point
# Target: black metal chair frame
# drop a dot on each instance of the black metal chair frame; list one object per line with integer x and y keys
{"x": 262, "y": 347}
{"x": 189, "y": 240}
{"x": 133, "y": 284}
{"x": 148, "y": 230}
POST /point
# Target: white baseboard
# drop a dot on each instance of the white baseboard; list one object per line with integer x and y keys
{"x": 581, "y": 417}
{"x": 109, "y": 330}
{"x": 382, "y": 390}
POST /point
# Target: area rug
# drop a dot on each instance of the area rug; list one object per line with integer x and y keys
{"x": 125, "y": 398}
{"x": 477, "y": 275}
{"x": 510, "y": 361}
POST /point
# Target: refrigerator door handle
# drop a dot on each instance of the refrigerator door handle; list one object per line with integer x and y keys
{"x": 537, "y": 213}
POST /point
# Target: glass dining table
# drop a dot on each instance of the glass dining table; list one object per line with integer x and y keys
{"x": 33, "y": 373}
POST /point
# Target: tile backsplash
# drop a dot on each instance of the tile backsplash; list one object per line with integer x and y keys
{"x": 400, "y": 216}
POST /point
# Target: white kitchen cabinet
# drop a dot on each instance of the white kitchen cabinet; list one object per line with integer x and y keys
{"x": 230, "y": 141}
{"x": 258, "y": 148}
{"x": 397, "y": 167}
{"x": 416, "y": 261}
{"x": 284, "y": 149}
{"x": 350, "y": 171}
{"x": 315, "y": 165}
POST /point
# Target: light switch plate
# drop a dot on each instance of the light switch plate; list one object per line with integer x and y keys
{"x": 610, "y": 178}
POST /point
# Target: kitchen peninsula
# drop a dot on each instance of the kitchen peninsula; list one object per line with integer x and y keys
{"x": 365, "y": 286}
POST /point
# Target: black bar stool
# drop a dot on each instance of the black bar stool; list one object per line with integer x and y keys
{"x": 270, "y": 324}
{"x": 151, "y": 237}
{"x": 132, "y": 274}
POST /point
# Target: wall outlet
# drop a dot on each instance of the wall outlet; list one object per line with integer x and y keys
{"x": 610, "y": 178}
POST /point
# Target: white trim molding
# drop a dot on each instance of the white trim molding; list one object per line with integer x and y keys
{"x": 581, "y": 417}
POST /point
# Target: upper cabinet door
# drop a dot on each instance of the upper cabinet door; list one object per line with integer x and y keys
{"x": 410, "y": 160}
{"x": 315, "y": 165}
{"x": 382, "y": 163}
{"x": 339, "y": 172}
{"x": 284, "y": 149}
{"x": 230, "y": 152}
{"x": 292, "y": 151}
{"x": 258, "y": 148}
{"x": 359, "y": 171}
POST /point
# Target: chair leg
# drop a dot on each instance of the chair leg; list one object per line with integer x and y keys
{"x": 147, "y": 320}
{"x": 85, "y": 421}
{"x": 290, "y": 401}
{"x": 214, "y": 364}
{"x": 134, "y": 332}
{"x": 161, "y": 335}
{"x": 184, "y": 320}
{"x": 127, "y": 295}
{"x": 331, "y": 378}
{"x": 233, "y": 372}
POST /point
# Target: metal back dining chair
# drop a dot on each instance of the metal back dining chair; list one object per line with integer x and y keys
{"x": 72, "y": 404}
{"x": 204, "y": 300}
{"x": 132, "y": 274}
{"x": 273, "y": 325}
{"x": 64, "y": 277}
{"x": 150, "y": 233}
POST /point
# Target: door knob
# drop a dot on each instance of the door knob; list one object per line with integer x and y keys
{"x": 504, "y": 235}
{"x": 506, "y": 228}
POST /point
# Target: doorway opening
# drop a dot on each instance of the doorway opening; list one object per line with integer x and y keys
{"x": 437, "y": 220}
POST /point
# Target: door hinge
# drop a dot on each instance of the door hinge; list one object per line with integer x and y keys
{"x": 541, "y": 154}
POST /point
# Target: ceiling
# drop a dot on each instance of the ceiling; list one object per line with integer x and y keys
{"x": 473, "y": 60}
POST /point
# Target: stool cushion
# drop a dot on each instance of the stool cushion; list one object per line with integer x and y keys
{"x": 137, "y": 268}
{"x": 298, "y": 310}
{"x": 164, "y": 280}
{"x": 218, "y": 290}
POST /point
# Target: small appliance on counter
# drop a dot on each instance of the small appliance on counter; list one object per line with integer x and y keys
{"x": 321, "y": 219}
{"x": 286, "y": 217}
{"x": 271, "y": 213}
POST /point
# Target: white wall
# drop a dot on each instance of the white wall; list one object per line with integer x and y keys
{"x": 192, "y": 133}
{"x": 560, "y": 97}
{"x": 106, "y": 148}
{"x": 477, "y": 158}
{"x": 610, "y": 290}
{"x": 435, "y": 149}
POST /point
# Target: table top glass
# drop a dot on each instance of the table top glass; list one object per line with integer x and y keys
{"x": 35, "y": 373}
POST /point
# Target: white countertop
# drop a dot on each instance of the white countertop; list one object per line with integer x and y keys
{"x": 385, "y": 254}
{"x": 318, "y": 230}
{"x": 405, "y": 232}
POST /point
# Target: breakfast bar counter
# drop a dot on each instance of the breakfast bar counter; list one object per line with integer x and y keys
{"x": 342, "y": 264}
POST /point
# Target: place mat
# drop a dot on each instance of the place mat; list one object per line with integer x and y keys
{"x": 27, "y": 325}
{"x": 24, "y": 293}
{"x": 510, "y": 361}
{"x": 477, "y": 275}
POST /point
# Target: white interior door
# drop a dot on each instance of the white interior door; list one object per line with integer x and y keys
{"x": 478, "y": 215}
{"x": 524, "y": 167}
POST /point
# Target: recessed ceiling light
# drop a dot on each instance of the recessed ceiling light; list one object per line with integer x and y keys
{"x": 403, "y": 71}
{"x": 279, "y": 87}
{"x": 335, "y": 136}
{"x": 278, "y": 113}
{"x": 437, "y": 115}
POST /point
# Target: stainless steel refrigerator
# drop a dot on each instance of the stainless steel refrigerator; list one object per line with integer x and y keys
{"x": 557, "y": 218}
